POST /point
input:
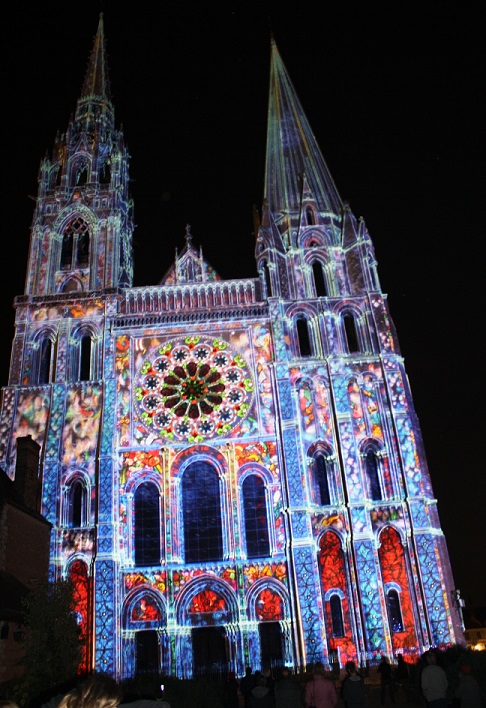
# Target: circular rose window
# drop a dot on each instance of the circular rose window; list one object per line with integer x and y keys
{"x": 193, "y": 390}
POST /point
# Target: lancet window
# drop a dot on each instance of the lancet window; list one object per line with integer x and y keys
{"x": 256, "y": 522}
{"x": 75, "y": 245}
{"x": 201, "y": 501}
{"x": 147, "y": 525}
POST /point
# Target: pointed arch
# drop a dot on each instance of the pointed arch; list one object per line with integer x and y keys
{"x": 335, "y": 596}
{"x": 255, "y": 516}
{"x": 147, "y": 531}
{"x": 75, "y": 244}
{"x": 394, "y": 572}
{"x": 45, "y": 361}
{"x": 202, "y": 521}
{"x": 372, "y": 469}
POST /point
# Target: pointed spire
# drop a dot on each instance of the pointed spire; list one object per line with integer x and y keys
{"x": 96, "y": 82}
{"x": 95, "y": 99}
{"x": 292, "y": 150}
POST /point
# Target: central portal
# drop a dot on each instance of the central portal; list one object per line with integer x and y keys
{"x": 209, "y": 651}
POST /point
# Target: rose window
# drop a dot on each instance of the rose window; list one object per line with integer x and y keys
{"x": 193, "y": 390}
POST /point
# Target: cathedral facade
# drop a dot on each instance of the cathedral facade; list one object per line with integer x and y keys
{"x": 233, "y": 469}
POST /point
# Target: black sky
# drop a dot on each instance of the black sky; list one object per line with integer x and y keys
{"x": 395, "y": 98}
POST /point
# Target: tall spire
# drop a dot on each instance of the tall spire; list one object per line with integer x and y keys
{"x": 96, "y": 92}
{"x": 293, "y": 154}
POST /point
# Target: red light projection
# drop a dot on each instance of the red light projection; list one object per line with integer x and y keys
{"x": 333, "y": 578}
{"x": 269, "y": 606}
{"x": 394, "y": 571}
{"x": 78, "y": 575}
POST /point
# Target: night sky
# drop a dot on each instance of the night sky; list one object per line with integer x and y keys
{"x": 394, "y": 94}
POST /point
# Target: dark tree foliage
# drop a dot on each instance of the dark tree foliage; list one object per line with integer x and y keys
{"x": 51, "y": 639}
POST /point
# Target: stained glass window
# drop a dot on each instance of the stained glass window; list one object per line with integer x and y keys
{"x": 147, "y": 525}
{"x": 203, "y": 539}
{"x": 255, "y": 510}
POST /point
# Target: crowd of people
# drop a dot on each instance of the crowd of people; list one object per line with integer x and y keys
{"x": 316, "y": 689}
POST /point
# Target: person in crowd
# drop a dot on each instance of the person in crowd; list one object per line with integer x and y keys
{"x": 261, "y": 696}
{"x": 433, "y": 682}
{"x": 98, "y": 691}
{"x": 353, "y": 688}
{"x": 6, "y": 703}
{"x": 231, "y": 699}
{"x": 246, "y": 685}
{"x": 320, "y": 692}
{"x": 468, "y": 690}
{"x": 287, "y": 690}
{"x": 402, "y": 677}
{"x": 385, "y": 671}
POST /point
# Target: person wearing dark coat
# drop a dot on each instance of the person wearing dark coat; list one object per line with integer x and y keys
{"x": 353, "y": 689}
{"x": 384, "y": 669}
{"x": 287, "y": 691}
{"x": 261, "y": 696}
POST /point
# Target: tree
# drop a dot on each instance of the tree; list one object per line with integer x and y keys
{"x": 52, "y": 638}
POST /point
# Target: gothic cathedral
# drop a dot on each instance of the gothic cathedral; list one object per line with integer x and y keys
{"x": 233, "y": 469}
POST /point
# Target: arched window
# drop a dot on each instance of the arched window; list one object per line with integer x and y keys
{"x": 45, "y": 361}
{"x": 105, "y": 173}
{"x": 203, "y": 538}
{"x": 351, "y": 333}
{"x": 372, "y": 468}
{"x": 78, "y": 575}
{"x": 85, "y": 358}
{"x": 75, "y": 245}
{"x": 309, "y": 216}
{"x": 255, "y": 511}
{"x": 336, "y": 615}
{"x": 77, "y": 504}
{"x": 303, "y": 337}
{"x": 320, "y": 479}
{"x": 147, "y": 525}
{"x": 319, "y": 282}
{"x": 394, "y": 611}
{"x": 268, "y": 282}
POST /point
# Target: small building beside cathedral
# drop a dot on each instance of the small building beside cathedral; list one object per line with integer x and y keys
{"x": 233, "y": 469}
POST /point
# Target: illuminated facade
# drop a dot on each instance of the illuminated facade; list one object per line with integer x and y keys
{"x": 233, "y": 469}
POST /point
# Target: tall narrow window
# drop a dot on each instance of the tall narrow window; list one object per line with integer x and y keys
{"x": 85, "y": 358}
{"x": 203, "y": 537}
{"x": 309, "y": 216}
{"x": 77, "y": 504}
{"x": 351, "y": 333}
{"x": 147, "y": 525}
{"x": 319, "y": 282}
{"x": 303, "y": 337}
{"x": 255, "y": 510}
{"x": 75, "y": 245}
{"x": 320, "y": 479}
{"x": 336, "y": 615}
{"x": 394, "y": 612}
{"x": 268, "y": 282}
{"x": 372, "y": 472}
{"x": 45, "y": 361}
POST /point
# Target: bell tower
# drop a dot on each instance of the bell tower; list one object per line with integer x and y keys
{"x": 83, "y": 220}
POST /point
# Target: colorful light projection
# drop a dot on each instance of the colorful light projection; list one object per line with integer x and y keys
{"x": 335, "y": 595}
{"x": 144, "y": 610}
{"x": 78, "y": 575}
{"x": 395, "y": 581}
{"x": 269, "y": 606}
{"x": 193, "y": 390}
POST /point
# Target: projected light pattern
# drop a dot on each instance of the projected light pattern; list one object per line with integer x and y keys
{"x": 193, "y": 390}
{"x": 233, "y": 469}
